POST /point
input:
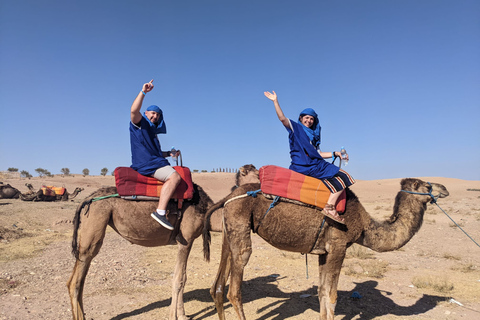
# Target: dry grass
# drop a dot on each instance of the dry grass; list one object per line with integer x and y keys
{"x": 449, "y": 256}
{"x": 433, "y": 283}
{"x": 359, "y": 252}
{"x": 465, "y": 268}
{"x": 372, "y": 269}
{"x": 29, "y": 246}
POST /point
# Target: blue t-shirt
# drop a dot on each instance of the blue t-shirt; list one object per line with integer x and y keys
{"x": 146, "y": 150}
{"x": 305, "y": 158}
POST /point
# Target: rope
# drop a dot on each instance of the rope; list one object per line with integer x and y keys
{"x": 105, "y": 197}
{"x": 434, "y": 200}
{"x": 274, "y": 202}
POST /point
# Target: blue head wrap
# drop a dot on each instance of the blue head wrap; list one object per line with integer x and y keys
{"x": 314, "y": 132}
{"x": 160, "y": 126}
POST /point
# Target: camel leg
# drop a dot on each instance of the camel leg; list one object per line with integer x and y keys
{"x": 217, "y": 291}
{"x": 177, "y": 309}
{"x": 330, "y": 265}
{"x": 241, "y": 248}
{"x": 91, "y": 237}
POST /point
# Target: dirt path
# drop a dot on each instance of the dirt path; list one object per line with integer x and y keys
{"x": 132, "y": 282}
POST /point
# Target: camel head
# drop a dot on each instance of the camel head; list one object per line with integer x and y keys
{"x": 430, "y": 190}
{"x": 247, "y": 174}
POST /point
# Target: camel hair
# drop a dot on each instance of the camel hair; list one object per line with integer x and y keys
{"x": 40, "y": 196}
{"x": 293, "y": 227}
{"x": 131, "y": 220}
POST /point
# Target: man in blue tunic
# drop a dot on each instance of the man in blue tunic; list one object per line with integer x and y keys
{"x": 148, "y": 158}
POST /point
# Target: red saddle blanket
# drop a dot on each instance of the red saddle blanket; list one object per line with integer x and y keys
{"x": 132, "y": 184}
{"x": 289, "y": 184}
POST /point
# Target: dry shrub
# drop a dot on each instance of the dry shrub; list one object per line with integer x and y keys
{"x": 465, "y": 268}
{"x": 460, "y": 224}
{"x": 359, "y": 252}
{"x": 429, "y": 282}
{"x": 373, "y": 269}
{"x": 451, "y": 256}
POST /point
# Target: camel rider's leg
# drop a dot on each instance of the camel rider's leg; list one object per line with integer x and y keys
{"x": 172, "y": 179}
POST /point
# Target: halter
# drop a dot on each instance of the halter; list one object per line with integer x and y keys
{"x": 434, "y": 200}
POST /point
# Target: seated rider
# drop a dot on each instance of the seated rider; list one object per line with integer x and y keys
{"x": 307, "y": 158}
{"x": 148, "y": 159}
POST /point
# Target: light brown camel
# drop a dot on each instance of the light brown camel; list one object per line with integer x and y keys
{"x": 9, "y": 192}
{"x": 298, "y": 228}
{"x": 131, "y": 219}
{"x": 40, "y": 196}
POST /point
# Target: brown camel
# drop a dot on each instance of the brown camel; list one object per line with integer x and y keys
{"x": 131, "y": 220}
{"x": 40, "y": 196}
{"x": 9, "y": 192}
{"x": 293, "y": 227}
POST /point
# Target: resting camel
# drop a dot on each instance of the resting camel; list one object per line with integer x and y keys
{"x": 9, "y": 192}
{"x": 293, "y": 227}
{"x": 132, "y": 221}
{"x": 40, "y": 196}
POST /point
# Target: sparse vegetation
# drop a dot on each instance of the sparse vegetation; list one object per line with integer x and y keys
{"x": 373, "y": 269}
{"x": 451, "y": 256}
{"x": 438, "y": 285}
{"x": 104, "y": 171}
{"x": 85, "y": 172}
{"x": 43, "y": 172}
{"x": 65, "y": 171}
{"x": 359, "y": 252}
{"x": 465, "y": 268}
{"x": 25, "y": 174}
{"x": 12, "y": 169}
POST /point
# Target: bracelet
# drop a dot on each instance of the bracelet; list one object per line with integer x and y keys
{"x": 333, "y": 154}
{"x": 143, "y": 92}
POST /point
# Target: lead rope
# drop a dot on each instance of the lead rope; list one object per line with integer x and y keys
{"x": 434, "y": 200}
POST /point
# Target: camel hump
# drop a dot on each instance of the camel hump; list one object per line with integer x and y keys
{"x": 289, "y": 184}
{"x": 132, "y": 184}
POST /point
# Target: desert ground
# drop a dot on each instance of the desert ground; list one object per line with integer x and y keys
{"x": 434, "y": 276}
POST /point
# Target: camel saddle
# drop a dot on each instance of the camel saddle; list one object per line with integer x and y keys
{"x": 289, "y": 184}
{"x": 133, "y": 186}
{"x": 52, "y": 191}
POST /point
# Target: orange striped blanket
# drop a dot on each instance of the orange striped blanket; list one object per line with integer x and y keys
{"x": 289, "y": 184}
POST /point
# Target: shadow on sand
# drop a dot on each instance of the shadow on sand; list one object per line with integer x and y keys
{"x": 374, "y": 302}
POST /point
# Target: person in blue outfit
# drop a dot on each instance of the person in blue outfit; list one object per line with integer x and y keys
{"x": 148, "y": 159}
{"x": 308, "y": 159}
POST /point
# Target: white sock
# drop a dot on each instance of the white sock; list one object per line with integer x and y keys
{"x": 161, "y": 212}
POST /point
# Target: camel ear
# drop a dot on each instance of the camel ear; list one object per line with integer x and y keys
{"x": 416, "y": 185}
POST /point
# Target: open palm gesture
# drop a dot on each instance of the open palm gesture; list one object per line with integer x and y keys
{"x": 271, "y": 96}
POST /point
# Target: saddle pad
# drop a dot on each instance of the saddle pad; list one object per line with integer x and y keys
{"x": 130, "y": 183}
{"x": 296, "y": 186}
{"x": 52, "y": 191}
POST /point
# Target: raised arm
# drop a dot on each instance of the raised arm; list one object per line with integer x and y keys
{"x": 135, "y": 114}
{"x": 273, "y": 96}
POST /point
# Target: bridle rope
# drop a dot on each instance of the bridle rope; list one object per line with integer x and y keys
{"x": 434, "y": 200}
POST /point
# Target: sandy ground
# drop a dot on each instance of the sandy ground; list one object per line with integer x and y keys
{"x": 125, "y": 281}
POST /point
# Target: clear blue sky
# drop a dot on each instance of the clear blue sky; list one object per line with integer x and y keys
{"x": 396, "y": 82}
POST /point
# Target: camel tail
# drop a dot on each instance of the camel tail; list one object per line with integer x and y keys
{"x": 207, "y": 238}
{"x": 76, "y": 225}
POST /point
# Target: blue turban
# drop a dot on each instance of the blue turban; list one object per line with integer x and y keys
{"x": 313, "y": 134}
{"x": 160, "y": 126}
